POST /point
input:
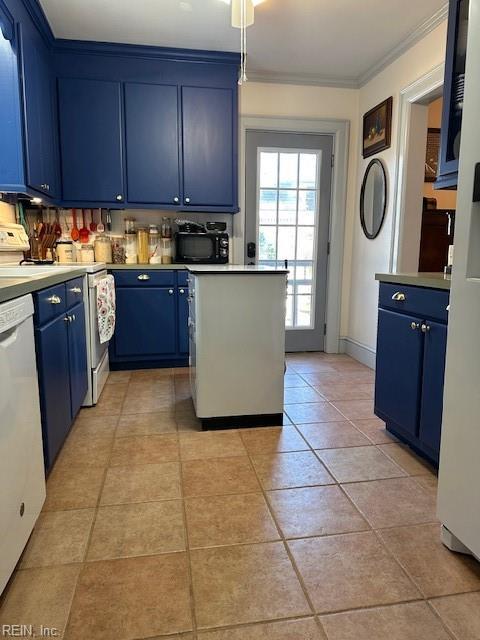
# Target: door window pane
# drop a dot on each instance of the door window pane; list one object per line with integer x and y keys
{"x": 307, "y": 207}
{"x": 288, "y": 170}
{"x": 287, "y": 207}
{"x": 267, "y": 209}
{"x": 286, "y": 243}
{"x": 288, "y": 226}
{"x": 268, "y": 169}
{"x": 308, "y": 171}
{"x": 267, "y": 240}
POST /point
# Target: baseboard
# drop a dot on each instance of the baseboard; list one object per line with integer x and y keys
{"x": 361, "y": 352}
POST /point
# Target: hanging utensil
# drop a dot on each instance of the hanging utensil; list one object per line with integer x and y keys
{"x": 100, "y": 225}
{"x": 84, "y": 231}
{"x": 75, "y": 234}
{"x": 57, "y": 228}
{"x": 93, "y": 224}
{"x": 108, "y": 220}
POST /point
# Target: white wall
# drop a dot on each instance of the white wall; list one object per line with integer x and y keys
{"x": 371, "y": 256}
{"x": 303, "y": 102}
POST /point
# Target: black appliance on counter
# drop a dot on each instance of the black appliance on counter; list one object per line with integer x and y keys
{"x": 197, "y": 244}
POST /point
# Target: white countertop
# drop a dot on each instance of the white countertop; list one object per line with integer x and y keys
{"x": 225, "y": 269}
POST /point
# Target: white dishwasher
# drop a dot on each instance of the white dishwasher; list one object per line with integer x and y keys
{"x": 22, "y": 476}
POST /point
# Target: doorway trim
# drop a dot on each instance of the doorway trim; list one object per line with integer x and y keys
{"x": 339, "y": 130}
{"x": 416, "y": 92}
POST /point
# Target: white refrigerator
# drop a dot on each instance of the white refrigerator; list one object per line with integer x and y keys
{"x": 459, "y": 473}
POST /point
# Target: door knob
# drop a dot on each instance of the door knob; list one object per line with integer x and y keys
{"x": 414, "y": 326}
{"x": 119, "y": 198}
{"x": 176, "y": 199}
{"x": 182, "y": 291}
{"x": 425, "y": 328}
{"x": 170, "y": 291}
{"x": 187, "y": 200}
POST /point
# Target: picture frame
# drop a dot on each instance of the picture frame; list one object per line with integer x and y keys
{"x": 377, "y": 128}
{"x": 432, "y": 154}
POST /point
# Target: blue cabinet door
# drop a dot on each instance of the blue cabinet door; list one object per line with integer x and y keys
{"x": 432, "y": 392}
{"x": 91, "y": 140}
{"x": 183, "y": 320}
{"x": 77, "y": 355}
{"x": 54, "y": 383}
{"x": 145, "y": 324}
{"x": 399, "y": 369}
{"x": 152, "y": 143}
{"x": 209, "y": 145}
{"x": 39, "y": 109}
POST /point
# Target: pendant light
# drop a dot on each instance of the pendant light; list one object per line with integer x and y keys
{"x": 243, "y": 16}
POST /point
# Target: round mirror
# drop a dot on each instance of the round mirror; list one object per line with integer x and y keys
{"x": 373, "y": 198}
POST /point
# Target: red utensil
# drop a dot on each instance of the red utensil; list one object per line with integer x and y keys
{"x": 93, "y": 224}
{"x": 74, "y": 234}
{"x": 84, "y": 231}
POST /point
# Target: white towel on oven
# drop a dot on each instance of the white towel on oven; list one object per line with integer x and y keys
{"x": 106, "y": 308}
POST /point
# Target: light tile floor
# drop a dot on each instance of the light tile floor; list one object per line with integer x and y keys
{"x": 322, "y": 529}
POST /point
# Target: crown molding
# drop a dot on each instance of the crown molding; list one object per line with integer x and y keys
{"x": 302, "y": 79}
{"x": 415, "y": 36}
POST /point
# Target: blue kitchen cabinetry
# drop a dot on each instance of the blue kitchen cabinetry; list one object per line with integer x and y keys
{"x": 61, "y": 347}
{"x": 29, "y": 159}
{"x": 151, "y": 328}
{"x": 91, "y": 132}
{"x": 411, "y": 346}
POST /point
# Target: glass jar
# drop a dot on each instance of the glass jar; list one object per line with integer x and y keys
{"x": 154, "y": 245}
{"x": 166, "y": 228}
{"x": 64, "y": 251}
{"x": 103, "y": 249}
{"x": 131, "y": 248}
{"x": 87, "y": 253}
{"x": 142, "y": 246}
{"x": 129, "y": 225}
{"x": 118, "y": 249}
{"x": 166, "y": 251}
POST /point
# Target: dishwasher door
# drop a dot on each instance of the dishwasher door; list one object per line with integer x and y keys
{"x": 22, "y": 476}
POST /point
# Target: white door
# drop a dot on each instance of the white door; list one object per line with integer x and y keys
{"x": 288, "y": 193}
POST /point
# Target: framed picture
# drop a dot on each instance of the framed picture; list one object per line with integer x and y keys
{"x": 431, "y": 157}
{"x": 377, "y": 128}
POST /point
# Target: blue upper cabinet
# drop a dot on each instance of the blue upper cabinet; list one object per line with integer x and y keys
{"x": 39, "y": 111}
{"x": 91, "y": 141}
{"x": 152, "y": 144}
{"x": 209, "y": 147}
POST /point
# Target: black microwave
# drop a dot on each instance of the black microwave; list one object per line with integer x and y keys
{"x": 201, "y": 248}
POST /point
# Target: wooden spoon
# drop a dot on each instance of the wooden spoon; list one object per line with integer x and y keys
{"x": 84, "y": 231}
{"x": 74, "y": 234}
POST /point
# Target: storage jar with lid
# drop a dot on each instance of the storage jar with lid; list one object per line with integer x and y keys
{"x": 154, "y": 245}
{"x": 103, "y": 248}
{"x": 166, "y": 251}
{"x": 129, "y": 225}
{"x": 64, "y": 251}
{"x": 142, "y": 245}
{"x": 118, "y": 249}
{"x": 166, "y": 228}
{"x": 87, "y": 253}
{"x": 131, "y": 248}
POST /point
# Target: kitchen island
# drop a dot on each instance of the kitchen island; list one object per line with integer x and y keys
{"x": 411, "y": 345}
{"x": 237, "y": 344}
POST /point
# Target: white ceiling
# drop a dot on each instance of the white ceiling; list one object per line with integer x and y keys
{"x": 317, "y": 41}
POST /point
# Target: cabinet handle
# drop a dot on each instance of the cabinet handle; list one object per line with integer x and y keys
{"x": 73, "y": 317}
{"x": 414, "y": 326}
{"x": 447, "y": 308}
{"x": 67, "y": 319}
{"x": 143, "y": 276}
{"x": 425, "y": 328}
{"x": 170, "y": 291}
{"x": 54, "y": 300}
{"x": 182, "y": 291}
{"x": 45, "y": 187}
{"x": 399, "y": 296}
{"x": 119, "y": 198}
{"x": 187, "y": 200}
{"x": 76, "y": 290}
{"x": 176, "y": 199}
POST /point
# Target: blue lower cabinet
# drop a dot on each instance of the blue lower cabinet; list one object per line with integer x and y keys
{"x": 432, "y": 388}
{"x": 61, "y": 348}
{"x": 151, "y": 326}
{"x": 54, "y": 383}
{"x": 77, "y": 355}
{"x": 400, "y": 343}
{"x": 411, "y": 347}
